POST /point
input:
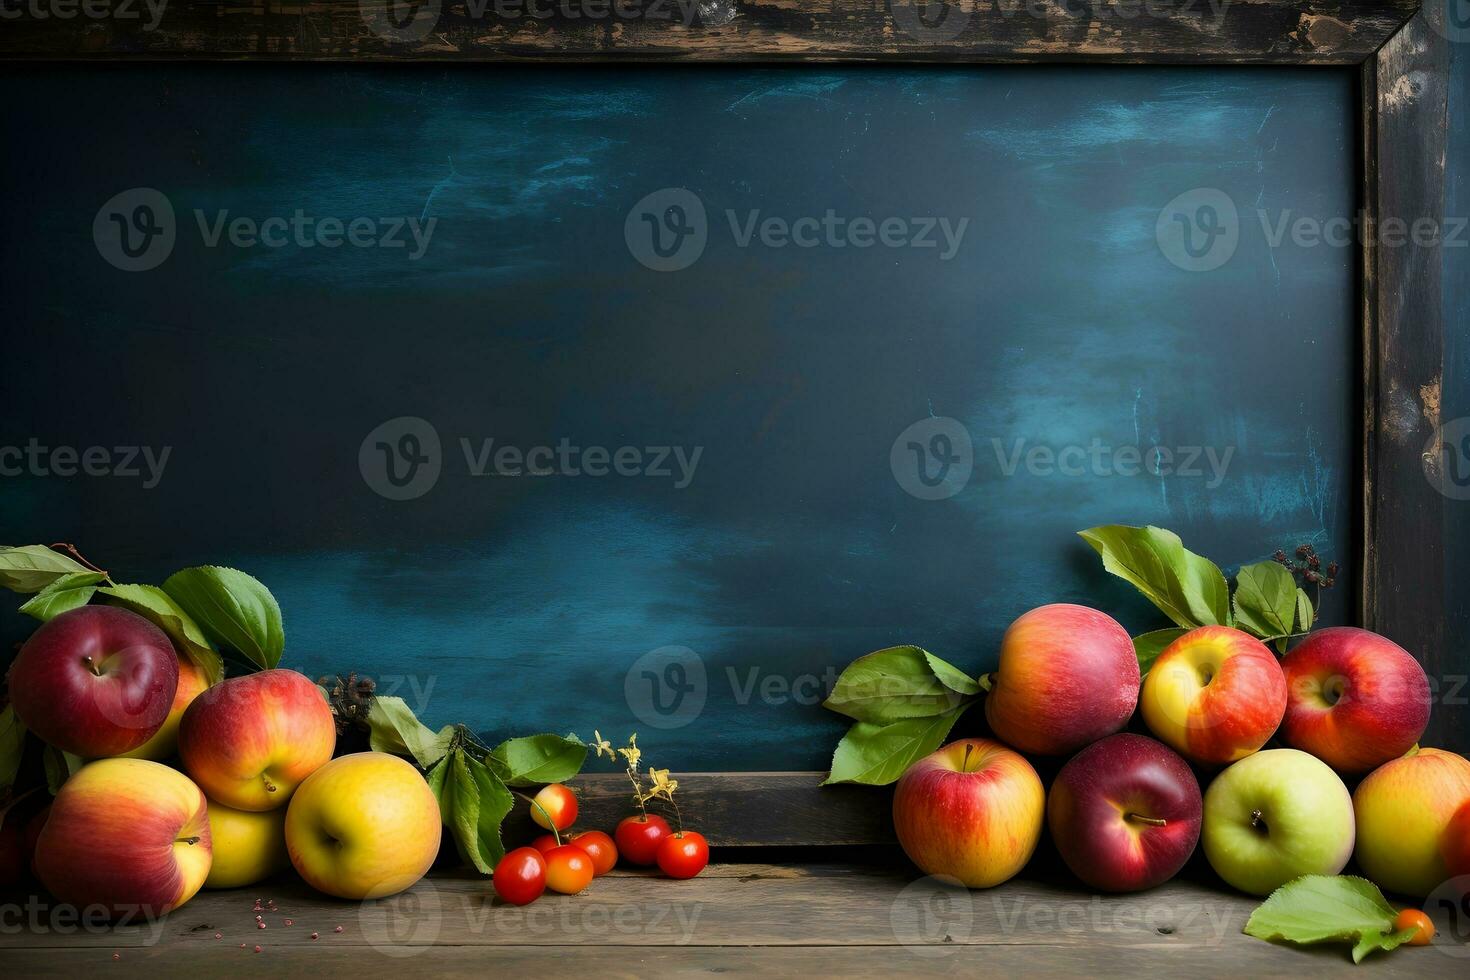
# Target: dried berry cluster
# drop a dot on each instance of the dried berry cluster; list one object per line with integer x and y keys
{"x": 351, "y": 700}
{"x": 1308, "y": 566}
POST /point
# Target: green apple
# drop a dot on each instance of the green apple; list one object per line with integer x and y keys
{"x": 1275, "y": 816}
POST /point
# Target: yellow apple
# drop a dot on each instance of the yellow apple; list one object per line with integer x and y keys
{"x": 165, "y": 742}
{"x": 363, "y": 826}
{"x": 248, "y": 846}
{"x": 1403, "y": 808}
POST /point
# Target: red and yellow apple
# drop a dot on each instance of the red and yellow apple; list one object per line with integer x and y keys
{"x": 1404, "y": 808}
{"x": 971, "y": 811}
{"x": 249, "y": 846}
{"x": 127, "y": 835}
{"x": 1215, "y": 695}
{"x": 1068, "y": 676}
{"x": 1125, "y": 813}
{"x": 250, "y": 741}
{"x": 165, "y": 742}
{"x": 1354, "y": 699}
{"x": 363, "y": 826}
{"x": 95, "y": 681}
{"x": 1274, "y": 816}
{"x": 1454, "y": 844}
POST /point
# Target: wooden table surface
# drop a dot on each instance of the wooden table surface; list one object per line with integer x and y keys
{"x": 851, "y": 919}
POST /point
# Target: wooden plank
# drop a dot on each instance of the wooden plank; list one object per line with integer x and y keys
{"x": 1205, "y": 31}
{"x": 1403, "y": 587}
{"x": 893, "y": 919}
{"x": 858, "y": 962}
{"x": 741, "y": 809}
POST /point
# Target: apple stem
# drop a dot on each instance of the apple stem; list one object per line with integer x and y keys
{"x": 92, "y": 666}
{"x": 1151, "y": 821}
{"x": 965, "y": 765}
{"x": 269, "y": 786}
{"x": 187, "y": 840}
{"x": 1258, "y": 820}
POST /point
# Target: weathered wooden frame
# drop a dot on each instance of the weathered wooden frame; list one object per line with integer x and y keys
{"x": 1402, "y": 56}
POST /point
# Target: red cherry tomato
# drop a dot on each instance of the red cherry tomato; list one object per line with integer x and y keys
{"x": 600, "y": 848}
{"x": 520, "y": 877}
{"x": 568, "y": 869}
{"x": 545, "y": 843}
{"x": 558, "y": 803}
{"x": 638, "y": 837}
{"x": 683, "y": 855}
{"x": 1414, "y": 919}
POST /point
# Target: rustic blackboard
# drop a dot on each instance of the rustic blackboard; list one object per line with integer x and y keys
{"x": 765, "y": 521}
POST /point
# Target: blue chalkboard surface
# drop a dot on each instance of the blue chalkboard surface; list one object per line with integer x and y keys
{"x": 649, "y": 398}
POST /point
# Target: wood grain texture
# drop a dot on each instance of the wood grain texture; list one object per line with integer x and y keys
{"x": 742, "y": 809}
{"x": 766, "y": 919}
{"x": 1205, "y": 31}
{"x": 1404, "y": 513}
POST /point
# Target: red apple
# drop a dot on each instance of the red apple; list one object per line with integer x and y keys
{"x": 1216, "y": 695}
{"x": 1354, "y": 699}
{"x": 1068, "y": 676}
{"x": 127, "y": 835}
{"x": 251, "y": 740}
{"x": 971, "y": 811}
{"x": 1125, "y": 813}
{"x": 95, "y": 681}
{"x": 165, "y": 742}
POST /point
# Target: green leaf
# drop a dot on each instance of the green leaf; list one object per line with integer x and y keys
{"x": 12, "y": 746}
{"x": 1326, "y": 908}
{"x": 1265, "y": 600}
{"x": 897, "y": 683}
{"x": 63, "y": 595}
{"x": 393, "y": 728}
{"x": 951, "y": 676}
{"x": 537, "y": 759}
{"x": 233, "y": 609}
{"x": 32, "y": 567}
{"x": 59, "y": 767}
{"x": 1306, "y": 615}
{"x": 435, "y": 778}
{"x": 1148, "y": 646}
{"x": 474, "y": 804}
{"x": 1187, "y": 587}
{"x": 154, "y": 605}
{"x": 876, "y": 755}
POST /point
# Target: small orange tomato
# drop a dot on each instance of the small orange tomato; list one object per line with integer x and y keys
{"x": 600, "y": 848}
{"x": 568, "y": 869}
{"x": 1419, "y": 922}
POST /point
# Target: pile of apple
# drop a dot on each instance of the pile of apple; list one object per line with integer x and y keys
{"x": 1126, "y": 811}
{"x": 258, "y": 791}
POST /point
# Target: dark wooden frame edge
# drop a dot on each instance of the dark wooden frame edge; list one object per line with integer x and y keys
{"x": 1402, "y": 54}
